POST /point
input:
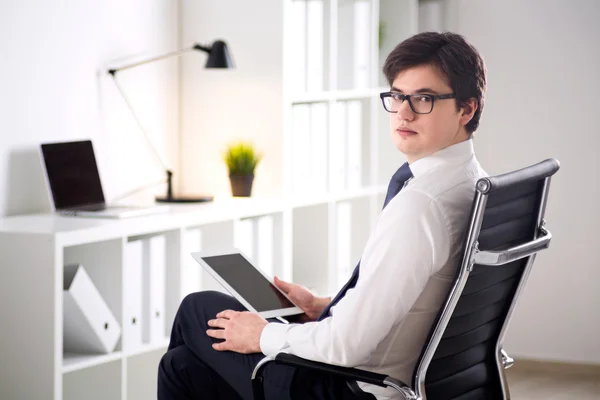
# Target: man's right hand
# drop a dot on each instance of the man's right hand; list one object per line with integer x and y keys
{"x": 312, "y": 305}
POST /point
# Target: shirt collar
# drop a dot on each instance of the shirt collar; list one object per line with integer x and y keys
{"x": 452, "y": 154}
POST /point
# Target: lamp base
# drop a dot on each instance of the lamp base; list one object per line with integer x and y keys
{"x": 184, "y": 199}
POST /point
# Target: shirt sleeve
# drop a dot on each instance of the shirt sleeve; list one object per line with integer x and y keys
{"x": 409, "y": 244}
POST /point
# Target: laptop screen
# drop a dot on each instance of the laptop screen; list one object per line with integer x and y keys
{"x": 72, "y": 174}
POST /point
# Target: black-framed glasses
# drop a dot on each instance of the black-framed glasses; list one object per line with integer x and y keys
{"x": 419, "y": 103}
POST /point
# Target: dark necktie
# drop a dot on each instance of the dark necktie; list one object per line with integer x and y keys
{"x": 396, "y": 184}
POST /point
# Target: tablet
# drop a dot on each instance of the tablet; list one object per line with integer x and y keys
{"x": 247, "y": 283}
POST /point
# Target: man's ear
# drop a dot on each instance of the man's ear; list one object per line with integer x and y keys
{"x": 468, "y": 110}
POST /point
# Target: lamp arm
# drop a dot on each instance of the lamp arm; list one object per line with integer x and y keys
{"x": 139, "y": 124}
{"x": 221, "y": 48}
{"x": 179, "y": 52}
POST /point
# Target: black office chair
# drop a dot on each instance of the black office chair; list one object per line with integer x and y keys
{"x": 463, "y": 357}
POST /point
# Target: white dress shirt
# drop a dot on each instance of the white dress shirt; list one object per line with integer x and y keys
{"x": 406, "y": 271}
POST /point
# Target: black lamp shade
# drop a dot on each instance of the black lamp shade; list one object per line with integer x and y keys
{"x": 218, "y": 56}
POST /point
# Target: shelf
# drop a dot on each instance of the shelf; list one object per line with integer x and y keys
{"x": 75, "y": 362}
{"x": 314, "y": 97}
{"x": 338, "y": 95}
{"x": 306, "y": 201}
{"x": 148, "y": 348}
{"x": 324, "y": 198}
{"x": 355, "y": 94}
{"x": 358, "y": 193}
{"x": 71, "y": 231}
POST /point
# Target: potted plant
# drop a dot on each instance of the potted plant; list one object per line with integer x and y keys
{"x": 241, "y": 159}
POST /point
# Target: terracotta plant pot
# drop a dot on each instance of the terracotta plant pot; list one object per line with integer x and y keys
{"x": 241, "y": 185}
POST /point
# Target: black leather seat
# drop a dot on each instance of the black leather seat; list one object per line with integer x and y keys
{"x": 463, "y": 357}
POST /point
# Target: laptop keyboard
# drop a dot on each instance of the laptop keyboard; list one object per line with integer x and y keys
{"x": 103, "y": 207}
{"x": 89, "y": 207}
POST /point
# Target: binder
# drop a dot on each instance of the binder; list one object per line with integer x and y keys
{"x": 314, "y": 45}
{"x": 338, "y": 148}
{"x": 317, "y": 162}
{"x": 362, "y": 38}
{"x": 264, "y": 239}
{"x": 298, "y": 46}
{"x": 190, "y": 270}
{"x": 243, "y": 237}
{"x": 154, "y": 287}
{"x": 346, "y": 44}
{"x": 89, "y": 325}
{"x": 354, "y": 134}
{"x": 301, "y": 148}
{"x": 132, "y": 296}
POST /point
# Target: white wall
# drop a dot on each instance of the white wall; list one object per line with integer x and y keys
{"x": 219, "y": 106}
{"x": 53, "y": 88}
{"x": 543, "y": 59}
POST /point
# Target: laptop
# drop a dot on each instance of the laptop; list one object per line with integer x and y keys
{"x": 74, "y": 182}
{"x": 247, "y": 283}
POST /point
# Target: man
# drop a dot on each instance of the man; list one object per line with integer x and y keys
{"x": 381, "y": 318}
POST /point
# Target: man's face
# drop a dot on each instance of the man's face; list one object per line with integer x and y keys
{"x": 419, "y": 135}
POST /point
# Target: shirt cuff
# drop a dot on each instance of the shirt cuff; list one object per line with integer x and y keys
{"x": 272, "y": 338}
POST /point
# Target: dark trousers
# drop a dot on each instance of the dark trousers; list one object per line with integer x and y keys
{"x": 192, "y": 369}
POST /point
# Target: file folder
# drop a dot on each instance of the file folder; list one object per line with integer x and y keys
{"x": 154, "y": 273}
{"x": 190, "y": 270}
{"x": 132, "y": 296}
{"x": 89, "y": 326}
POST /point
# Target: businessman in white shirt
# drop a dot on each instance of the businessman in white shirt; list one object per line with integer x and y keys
{"x": 381, "y": 318}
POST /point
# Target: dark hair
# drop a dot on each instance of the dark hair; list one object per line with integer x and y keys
{"x": 453, "y": 56}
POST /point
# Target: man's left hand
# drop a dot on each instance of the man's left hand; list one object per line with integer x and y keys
{"x": 241, "y": 331}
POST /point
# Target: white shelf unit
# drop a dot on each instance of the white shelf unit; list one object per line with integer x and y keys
{"x": 337, "y": 147}
{"x": 317, "y": 235}
{"x": 33, "y": 252}
{"x": 74, "y": 362}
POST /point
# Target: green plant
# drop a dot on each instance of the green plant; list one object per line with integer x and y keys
{"x": 381, "y": 34}
{"x": 241, "y": 158}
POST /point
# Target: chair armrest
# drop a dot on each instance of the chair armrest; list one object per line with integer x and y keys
{"x": 350, "y": 374}
{"x": 514, "y": 253}
{"x": 353, "y": 374}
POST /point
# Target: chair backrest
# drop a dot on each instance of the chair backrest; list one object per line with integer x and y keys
{"x": 462, "y": 359}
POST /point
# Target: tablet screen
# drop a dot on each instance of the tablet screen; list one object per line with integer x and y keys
{"x": 248, "y": 282}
